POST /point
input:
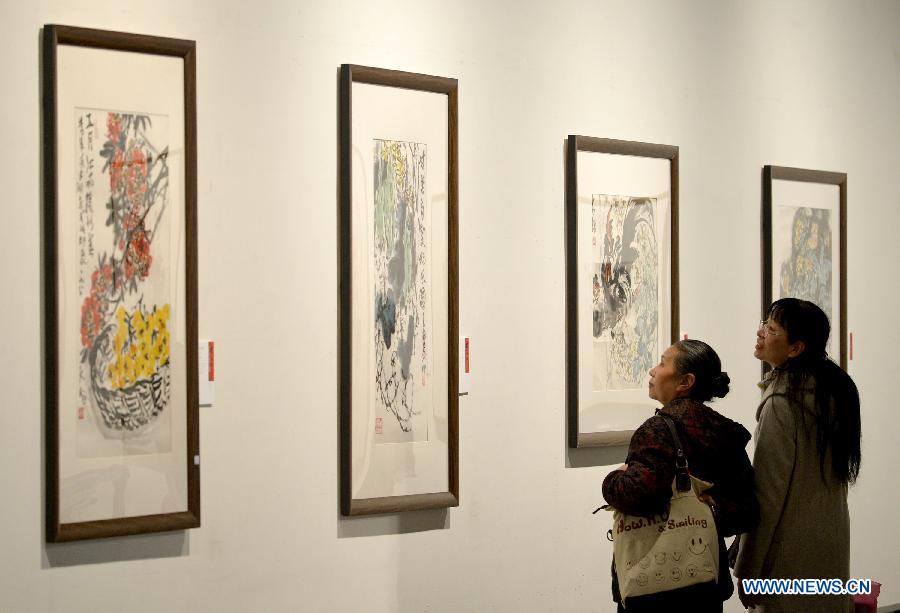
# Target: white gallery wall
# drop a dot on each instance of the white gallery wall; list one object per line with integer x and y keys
{"x": 736, "y": 85}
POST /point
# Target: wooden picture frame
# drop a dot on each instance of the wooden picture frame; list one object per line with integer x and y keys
{"x": 804, "y": 218}
{"x": 398, "y": 241}
{"x": 120, "y": 274}
{"x": 621, "y": 292}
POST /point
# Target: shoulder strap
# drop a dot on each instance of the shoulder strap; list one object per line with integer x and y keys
{"x": 682, "y": 476}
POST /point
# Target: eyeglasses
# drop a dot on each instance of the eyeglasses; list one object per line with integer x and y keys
{"x": 766, "y": 330}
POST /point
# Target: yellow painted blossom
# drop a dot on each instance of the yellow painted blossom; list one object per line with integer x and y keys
{"x": 141, "y": 345}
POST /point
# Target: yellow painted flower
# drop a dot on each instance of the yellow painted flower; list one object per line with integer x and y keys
{"x": 113, "y": 373}
{"x": 141, "y": 345}
{"x": 130, "y": 374}
{"x": 164, "y": 348}
{"x": 137, "y": 321}
{"x": 140, "y": 364}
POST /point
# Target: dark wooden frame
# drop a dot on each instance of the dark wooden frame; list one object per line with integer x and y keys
{"x": 617, "y": 147}
{"x": 784, "y": 173}
{"x": 404, "y": 80}
{"x": 54, "y": 36}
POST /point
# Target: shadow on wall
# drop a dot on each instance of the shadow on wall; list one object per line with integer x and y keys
{"x": 393, "y": 523}
{"x": 596, "y": 456}
{"x": 141, "y": 547}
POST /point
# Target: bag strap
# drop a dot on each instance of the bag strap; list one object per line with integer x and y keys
{"x": 682, "y": 476}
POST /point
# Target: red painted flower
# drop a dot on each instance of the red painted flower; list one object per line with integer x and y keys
{"x": 116, "y": 167}
{"x": 136, "y": 177}
{"x": 113, "y": 127}
{"x": 91, "y": 319}
{"x": 137, "y": 255}
{"x": 102, "y": 281}
{"x": 132, "y": 218}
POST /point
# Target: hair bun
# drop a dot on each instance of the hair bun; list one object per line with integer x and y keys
{"x": 720, "y": 385}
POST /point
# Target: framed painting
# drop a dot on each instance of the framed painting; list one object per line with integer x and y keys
{"x": 804, "y": 244}
{"x": 398, "y": 319}
{"x": 120, "y": 266}
{"x": 621, "y": 282}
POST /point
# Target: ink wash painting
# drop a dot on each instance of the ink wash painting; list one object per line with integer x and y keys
{"x": 804, "y": 262}
{"x": 402, "y": 305}
{"x": 624, "y": 291}
{"x": 123, "y": 235}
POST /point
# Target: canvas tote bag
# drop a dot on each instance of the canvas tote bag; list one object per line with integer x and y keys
{"x": 669, "y": 551}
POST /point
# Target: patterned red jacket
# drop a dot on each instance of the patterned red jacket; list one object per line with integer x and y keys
{"x": 714, "y": 447}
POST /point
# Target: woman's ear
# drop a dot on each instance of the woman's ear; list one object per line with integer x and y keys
{"x": 796, "y": 349}
{"x": 687, "y": 382}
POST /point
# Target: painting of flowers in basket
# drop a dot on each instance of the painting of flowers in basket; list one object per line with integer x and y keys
{"x": 123, "y": 283}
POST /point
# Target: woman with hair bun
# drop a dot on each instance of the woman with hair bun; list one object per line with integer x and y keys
{"x": 807, "y": 455}
{"x": 688, "y": 375}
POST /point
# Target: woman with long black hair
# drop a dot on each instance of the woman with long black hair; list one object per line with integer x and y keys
{"x": 807, "y": 455}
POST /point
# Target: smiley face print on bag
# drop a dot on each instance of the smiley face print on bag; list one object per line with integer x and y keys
{"x": 697, "y": 546}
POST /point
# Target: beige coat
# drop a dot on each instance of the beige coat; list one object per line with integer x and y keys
{"x": 804, "y": 527}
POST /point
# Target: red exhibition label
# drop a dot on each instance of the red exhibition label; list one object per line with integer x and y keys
{"x": 467, "y": 355}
